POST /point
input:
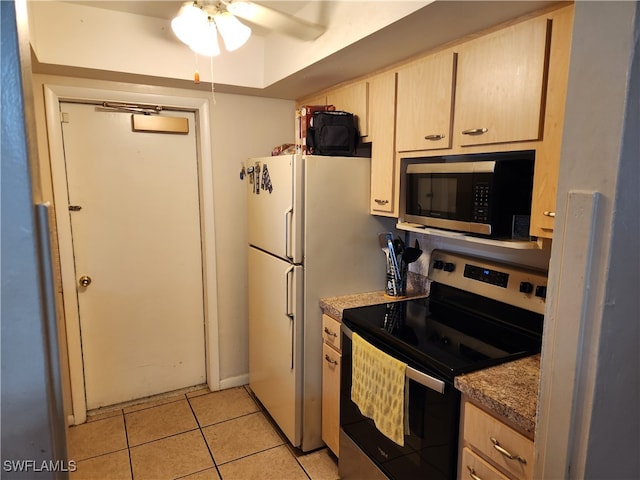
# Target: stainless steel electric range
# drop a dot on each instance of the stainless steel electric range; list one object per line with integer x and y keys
{"x": 478, "y": 314}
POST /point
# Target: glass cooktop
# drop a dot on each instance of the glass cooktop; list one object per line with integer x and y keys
{"x": 448, "y": 337}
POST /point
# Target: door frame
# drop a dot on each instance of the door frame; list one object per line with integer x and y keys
{"x": 53, "y": 95}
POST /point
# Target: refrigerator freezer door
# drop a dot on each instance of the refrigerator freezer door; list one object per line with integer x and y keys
{"x": 275, "y": 338}
{"x": 275, "y": 217}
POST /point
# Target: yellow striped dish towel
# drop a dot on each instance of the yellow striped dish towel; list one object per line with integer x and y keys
{"x": 378, "y": 388}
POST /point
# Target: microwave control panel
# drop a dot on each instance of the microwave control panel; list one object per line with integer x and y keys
{"x": 481, "y": 202}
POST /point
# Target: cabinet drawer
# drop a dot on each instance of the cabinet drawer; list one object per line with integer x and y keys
{"x": 497, "y": 442}
{"x": 331, "y": 332}
{"x": 331, "y": 398}
{"x": 474, "y": 468}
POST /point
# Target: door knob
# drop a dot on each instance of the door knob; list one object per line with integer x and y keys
{"x": 85, "y": 281}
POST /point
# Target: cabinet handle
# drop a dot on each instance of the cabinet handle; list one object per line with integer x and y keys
{"x": 506, "y": 453}
{"x": 330, "y": 360}
{"x": 437, "y": 136}
{"x": 549, "y": 214}
{"x": 380, "y": 202}
{"x": 472, "y": 473}
{"x": 330, "y": 333}
{"x": 475, "y": 131}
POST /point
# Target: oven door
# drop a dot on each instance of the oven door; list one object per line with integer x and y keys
{"x": 430, "y": 448}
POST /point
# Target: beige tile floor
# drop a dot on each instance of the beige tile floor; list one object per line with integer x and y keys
{"x": 199, "y": 435}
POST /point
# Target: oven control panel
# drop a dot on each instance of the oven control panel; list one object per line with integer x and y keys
{"x": 486, "y": 275}
{"x": 515, "y": 285}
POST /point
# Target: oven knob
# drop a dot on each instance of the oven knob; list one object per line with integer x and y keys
{"x": 449, "y": 267}
{"x": 438, "y": 264}
{"x": 526, "y": 287}
{"x": 541, "y": 291}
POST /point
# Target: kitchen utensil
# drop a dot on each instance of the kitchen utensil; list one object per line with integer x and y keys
{"x": 392, "y": 285}
{"x": 394, "y": 260}
{"x": 398, "y": 246}
{"x": 411, "y": 254}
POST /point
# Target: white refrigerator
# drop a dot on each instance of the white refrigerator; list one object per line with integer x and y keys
{"x": 310, "y": 236}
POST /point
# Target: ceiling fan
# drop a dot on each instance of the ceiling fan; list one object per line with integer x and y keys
{"x": 199, "y": 22}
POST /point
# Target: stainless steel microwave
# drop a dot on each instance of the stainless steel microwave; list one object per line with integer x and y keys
{"x": 483, "y": 197}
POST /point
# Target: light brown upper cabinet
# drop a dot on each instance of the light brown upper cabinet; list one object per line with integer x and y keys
{"x": 353, "y": 98}
{"x": 425, "y": 103}
{"x": 384, "y": 175}
{"x": 500, "y": 86}
{"x": 545, "y": 180}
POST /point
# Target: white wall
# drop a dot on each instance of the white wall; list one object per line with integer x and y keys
{"x": 241, "y": 127}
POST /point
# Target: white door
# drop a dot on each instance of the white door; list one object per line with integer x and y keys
{"x": 135, "y": 220}
{"x": 275, "y": 216}
{"x": 275, "y": 339}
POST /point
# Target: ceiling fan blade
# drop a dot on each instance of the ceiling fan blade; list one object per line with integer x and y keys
{"x": 275, "y": 20}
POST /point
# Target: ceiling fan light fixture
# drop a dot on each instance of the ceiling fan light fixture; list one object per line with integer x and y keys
{"x": 233, "y": 32}
{"x": 206, "y": 42}
{"x": 190, "y": 23}
{"x": 242, "y": 9}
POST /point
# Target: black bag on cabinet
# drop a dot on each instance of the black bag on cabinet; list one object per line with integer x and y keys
{"x": 333, "y": 133}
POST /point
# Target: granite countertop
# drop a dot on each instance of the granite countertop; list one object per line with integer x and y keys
{"x": 509, "y": 391}
{"x": 334, "y": 306}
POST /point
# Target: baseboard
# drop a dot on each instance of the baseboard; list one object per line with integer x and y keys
{"x": 231, "y": 382}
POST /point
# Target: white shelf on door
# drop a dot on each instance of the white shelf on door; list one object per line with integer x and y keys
{"x": 505, "y": 243}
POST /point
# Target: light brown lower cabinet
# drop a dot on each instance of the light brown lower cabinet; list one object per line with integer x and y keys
{"x": 475, "y": 468}
{"x": 492, "y": 447}
{"x": 331, "y": 357}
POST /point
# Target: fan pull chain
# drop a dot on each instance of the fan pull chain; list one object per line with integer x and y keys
{"x": 196, "y": 74}
{"x": 213, "y": 95}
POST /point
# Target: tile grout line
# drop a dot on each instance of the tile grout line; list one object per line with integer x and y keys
{"x": 126, "y": 435}
{"x": 286, "y": 443}
{"x": 302, "y": 467}
{"x": 204, "y": 439}
{"x": 262, "y": 410}
{"x": 255, "y": 453}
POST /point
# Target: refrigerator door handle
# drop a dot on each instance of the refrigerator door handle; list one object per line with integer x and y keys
{"x": 287, "y": 232}
{"x": 290, "y": 307}
{"x": 289, "y": 296}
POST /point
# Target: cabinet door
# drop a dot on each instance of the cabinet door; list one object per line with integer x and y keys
{"x": 384, "y": 177}
{"x": 500, "y": 85}
{"x": 353, "y": 98}
{"x": 425, "y": 103}
{"x": 331, "y": 397}
{"x": 545, "y": 178}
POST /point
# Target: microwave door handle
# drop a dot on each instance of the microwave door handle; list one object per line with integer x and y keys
{"x": 411, "y": 373}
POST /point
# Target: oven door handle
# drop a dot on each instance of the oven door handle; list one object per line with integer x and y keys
{"x": 411, "y": 373}
{"x": 425, "y": 380}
